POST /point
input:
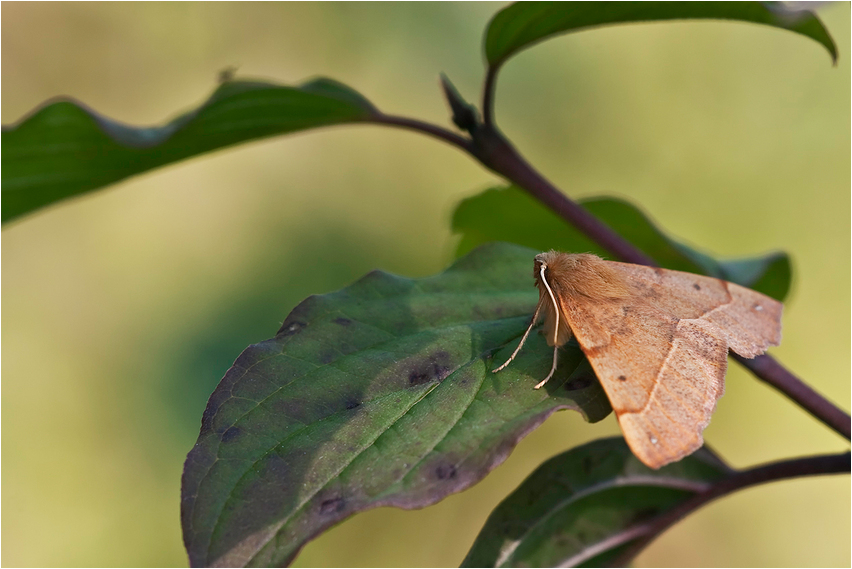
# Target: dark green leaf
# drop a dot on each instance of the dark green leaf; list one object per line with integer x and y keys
{"x": 585, "y": 506}
{"x": 526, "y": 23}
{"x": 378, "y": 394}
{"x": 510, "y": 214}
{"x": 65, "y": 149}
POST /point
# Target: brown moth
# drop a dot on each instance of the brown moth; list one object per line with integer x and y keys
{"x": 657, "y": 339}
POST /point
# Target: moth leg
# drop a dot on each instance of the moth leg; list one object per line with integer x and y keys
{"x": 524, "y": 339}
{"x": 552, "y": 369}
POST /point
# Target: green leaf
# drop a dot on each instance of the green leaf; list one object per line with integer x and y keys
{"x": 378, "y": 394}
{"x": 584, "y": 507}
{"x": 512, "y": 215}
{"x": 65, "y": 149}
{"x": 525, "y": 23}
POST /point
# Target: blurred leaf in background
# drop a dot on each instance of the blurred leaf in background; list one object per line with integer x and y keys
{"x": 124, "y": 309}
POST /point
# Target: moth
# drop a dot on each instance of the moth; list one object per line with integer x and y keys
{"x": 657, "y": 339}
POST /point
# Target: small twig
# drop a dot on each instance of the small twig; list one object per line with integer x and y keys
{"x": 808, "y": 466}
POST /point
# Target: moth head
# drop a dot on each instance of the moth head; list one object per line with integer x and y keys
{"x": 579, "y": 274}
{"x": 545, "y": 260}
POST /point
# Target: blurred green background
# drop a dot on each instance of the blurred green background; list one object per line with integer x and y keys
{"x": 124, "y": 308}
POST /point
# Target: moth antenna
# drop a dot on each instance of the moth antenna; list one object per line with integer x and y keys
{"x": 552, "y": 369}
{"x": 555, "y": 328}
{"x": 523, "y": 339}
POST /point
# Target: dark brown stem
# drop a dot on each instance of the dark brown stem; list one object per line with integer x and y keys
{"x": 808, "y": 466}
{"x": 496, "y": 153}
{"x": 488, "y": 96}
{"x": 769, "y": 370}
{"x": 448, "y": 136}
{"x": 505, "y": 160}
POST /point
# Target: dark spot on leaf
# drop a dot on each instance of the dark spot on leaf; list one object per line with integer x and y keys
{"x": 231, "y": 434}
{"x": 436, "y": 368}
{"x": 644, "y": 515}
{"x": 622, "y": 378}
{"x": 581, "y": 382}
{"x": 418, "y": 378}
{"x": 591, "y": 461}
{"x": 288, "y": 329}
{"x": 445, "y": 471}
{"x": 332, "y": 506}
{"x": 352, "y": 404}
{"x": 342, "y": 321}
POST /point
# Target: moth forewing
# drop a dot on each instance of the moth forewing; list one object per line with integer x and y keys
{"x": 657, "y": 340}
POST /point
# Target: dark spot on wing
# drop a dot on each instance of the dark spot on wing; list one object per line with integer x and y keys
{"x": 696, "y": 286}
{"x": 332, "y": 506}
{"x": 445, "y": 471}
{"x": 651, "y": 293}
{"x": 435, "y": 368}
{"x": 342, "y": 321}
{"x": 622, "y": 378}
{"x": 231, "y": 434}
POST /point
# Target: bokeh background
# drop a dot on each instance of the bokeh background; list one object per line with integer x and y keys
{"x": 122, "y": 310}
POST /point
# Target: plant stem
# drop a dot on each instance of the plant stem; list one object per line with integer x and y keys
{"x": 492, "y": 150}
{"x": 808, "y": 466}
{"x": 435, "y": 131}
{"x": 488, "y": 96}
{"x": 502, "y": 158}
{"x": 505, "y": 160}
{"x": 769, "y": 370}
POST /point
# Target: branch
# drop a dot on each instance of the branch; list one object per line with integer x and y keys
{"x": 809, "y": 466}
{"x": 492, "y": 150}
{"x": 497, "y": 154}
{"x": 438, "y": 132}
{"x": 769, "y": 370}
